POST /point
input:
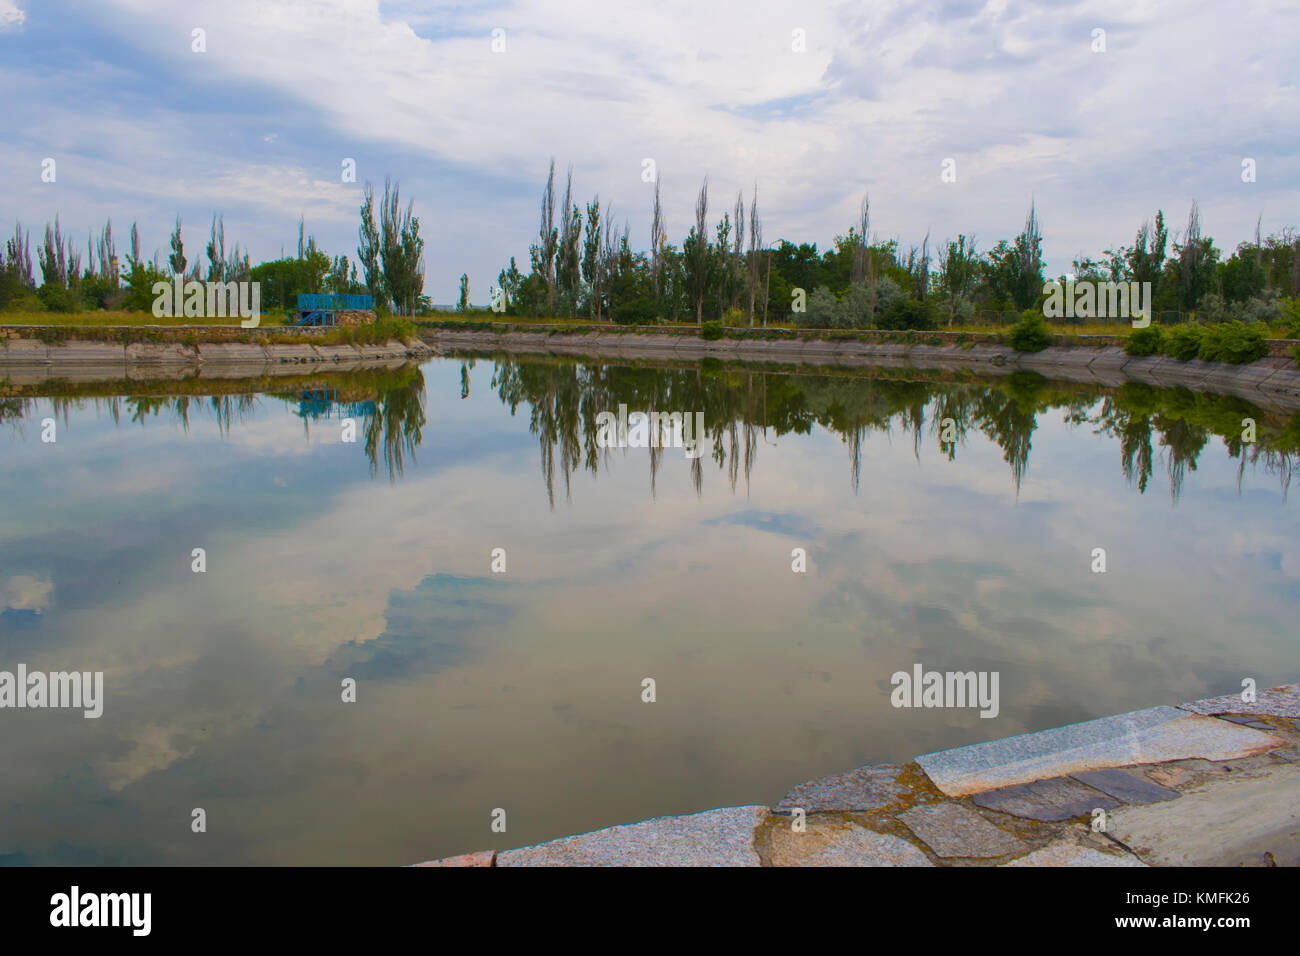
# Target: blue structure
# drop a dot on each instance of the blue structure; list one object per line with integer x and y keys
{"x": 322, "y": 310}
{"x": 318, "y": 403}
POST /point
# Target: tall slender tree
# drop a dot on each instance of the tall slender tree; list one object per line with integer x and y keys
{"x": 755, "y": 243}
{"x": 657, "y": 239}
{"x": 177, "y": 259}
{"x": 368, "y": 250}
{"x": 548, "y": 239}
{"x": 696, "y": 251}
{"x": 591, "y": 259}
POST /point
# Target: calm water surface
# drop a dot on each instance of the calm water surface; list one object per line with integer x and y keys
{"x": 522, "y": 690}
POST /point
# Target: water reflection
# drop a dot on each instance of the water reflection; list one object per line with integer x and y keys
{"x": 479, "y": 690}
{"x": 387, "y": 404}
{"x": 742, "y": 405}
{"x": 744, "y": 408}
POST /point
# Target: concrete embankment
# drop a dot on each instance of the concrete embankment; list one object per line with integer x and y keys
{"x": 25, "y": 361}
{"x": 1271, "y": 381}
{"x": 1213, "y": 782}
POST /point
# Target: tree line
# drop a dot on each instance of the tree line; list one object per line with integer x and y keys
{"x": 584, "y": 265}
{"x": 390, "y": 259}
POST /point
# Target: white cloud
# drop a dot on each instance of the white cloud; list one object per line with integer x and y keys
{"x": 1012, "y": 92}
{"x": 25, "y": 592}
{"x": 12, "y": 16}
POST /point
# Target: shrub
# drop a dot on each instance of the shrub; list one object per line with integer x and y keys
{"x": 734, "y": 318}
{"x": 1145, "y": 341}
{"x": 56, "y": 298}
{"x": 1030, "y": 334}
{"x": 1213, "y": 308}
{"x": 711, "y": 330}
{"x": 820, "y": 311}
{"x": 1291, "y": 316}
{"x": 857, "y": 307}
{"x": 1265, "y": 307}
{"x": 906, "y": 313}
{"x": 1184, "y": 341}
{"x": 1233, "y": 342}
{"x": 636, "y": 311}
{"x": 963, "y": 311}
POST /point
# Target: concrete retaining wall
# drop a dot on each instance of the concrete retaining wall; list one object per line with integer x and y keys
{"x": 28, "y": 361}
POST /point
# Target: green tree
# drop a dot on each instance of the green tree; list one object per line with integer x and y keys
{"x": 368, "y": 250}
{"x": 177, "y": 259}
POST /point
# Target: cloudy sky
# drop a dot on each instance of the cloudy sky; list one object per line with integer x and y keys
{"x": 257, "y": 126}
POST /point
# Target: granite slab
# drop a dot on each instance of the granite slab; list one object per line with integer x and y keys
{"x": 1125, "y": 786}
{"x": 1070, "y": 854}
{"x": 723, "y": 837}
{"x": 951, "y": 830}
{"x": 842, "y": 845}
{"x": 1143, "y": 736}
{"x": 866, "y": 788}
{"x": 1061, "y": 798}
{"x": 1281, "y": 701}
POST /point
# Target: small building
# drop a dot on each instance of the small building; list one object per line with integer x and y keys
{"x": 333, "y": 309}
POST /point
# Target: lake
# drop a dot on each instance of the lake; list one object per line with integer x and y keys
{"x": 947, "y": 522}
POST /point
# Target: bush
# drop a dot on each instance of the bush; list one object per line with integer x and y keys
{"x": 11, "y": 286}
{"x": 1265, "y": 307}
{"x": 906, "y": 314}
{"x": 1233, "y": 342}
{"x": 820, "y": 311}
{"x": 1031, "y": 333}
{"x": 735, "y": 318}
{"x": 636, "y": 311}
{"x": 56, "y": 298}
{"x": 1184, "y": 341}
{"x": 1291, "y": 316}
{"x": 711, "y": 330}
{"x": 1145, "y": 341}
{"x": 856, "y": 307}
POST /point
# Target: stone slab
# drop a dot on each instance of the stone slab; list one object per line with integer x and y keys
{"x": 1070, "y": 854}
{"x": 845, "y": 844}
{"x": 1061, "y": 798}
{"x": 723, "y": 837}
{"x": 1276, "y": 702}
{"x": 1125, "y": 786}
{"x": 1249, "y": 818}
{"x": 1143, "y": 736}
{"x": 866, "y": 788}
{"x": 1245, "y": 721}
{"x": 950, "y": 830}
{"x": 481, "y": 858}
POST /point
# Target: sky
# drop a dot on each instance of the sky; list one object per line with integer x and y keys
{"x": 817, "y": 104}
